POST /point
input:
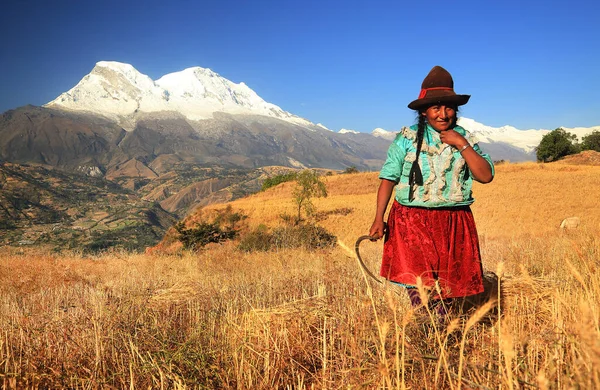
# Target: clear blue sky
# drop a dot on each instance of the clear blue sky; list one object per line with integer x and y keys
{"x": 346, "y": 64}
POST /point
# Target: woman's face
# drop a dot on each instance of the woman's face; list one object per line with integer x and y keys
{"x": 441, "y": 117}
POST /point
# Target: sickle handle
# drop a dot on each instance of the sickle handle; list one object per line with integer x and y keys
{"x": 362, "y": 264}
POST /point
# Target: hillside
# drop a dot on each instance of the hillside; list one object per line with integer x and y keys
{"x": 523, "y": 199}
{"x": 50, "y": 208}
{"x": 587, "y": 157}
{"x": 45, "y": 206}
{"x": 226, "y": 318}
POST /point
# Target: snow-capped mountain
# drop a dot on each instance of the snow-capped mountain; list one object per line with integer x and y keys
{"x": 524, "y": 140}
{"x": 124, "y": 95}
{"x": 120, "y": 92}
{"x": 385, "y": 134}
{"x": 527, "y": 140}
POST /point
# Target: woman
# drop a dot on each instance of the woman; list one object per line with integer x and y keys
{"x": 431, "y": 232}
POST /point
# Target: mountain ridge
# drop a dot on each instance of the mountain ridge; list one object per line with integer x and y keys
{"x": 118, "y": 91}
{"x": 121, "y": 93}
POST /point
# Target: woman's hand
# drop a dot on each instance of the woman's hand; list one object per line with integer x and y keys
{"x": 453, "y": 138}
{"x": 383, "y": 197}
{"x": 480, "y": 168}
{"x": 377, "y": 229}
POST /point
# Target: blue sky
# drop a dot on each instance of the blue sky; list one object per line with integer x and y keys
{"x": 346, "y": 64}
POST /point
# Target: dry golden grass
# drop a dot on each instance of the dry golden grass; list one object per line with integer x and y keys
{"x": 296, "y": 319}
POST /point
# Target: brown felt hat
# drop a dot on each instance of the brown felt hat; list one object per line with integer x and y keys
{"x": 438, "y": 87}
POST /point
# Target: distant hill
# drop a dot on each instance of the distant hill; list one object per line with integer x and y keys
{"x": 52, "y": 208}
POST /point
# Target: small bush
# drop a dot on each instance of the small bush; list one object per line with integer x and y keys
{"x": 203, "y": 234}
{"x": 307, "y": 236}
{"x": 278, "y": 179}
{"x": 351, "y": 169}
{"x": 288, "y": 219}
{"x": 321, "y": 215}
{"x": 222, "y": 228}
{"x": 257, "y": 240}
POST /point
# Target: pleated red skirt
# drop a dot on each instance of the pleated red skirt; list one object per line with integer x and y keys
{"x": 437, "y": 245}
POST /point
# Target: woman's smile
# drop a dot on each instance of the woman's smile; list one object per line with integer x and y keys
{"x": 441, "y": 117}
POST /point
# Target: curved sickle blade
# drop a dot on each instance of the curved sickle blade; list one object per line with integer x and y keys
{"x": 362, "y": 263}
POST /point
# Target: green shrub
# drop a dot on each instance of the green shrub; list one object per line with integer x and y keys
{"x": 278, "y": 179}
{"x": 307, "y": 236}
{"x": 556, "y": 144}
{"x": 257, "y": 240}
{"x": 222, "y": 228}
{"x": 591, "y": 141}
{"x": 202, "y": 234}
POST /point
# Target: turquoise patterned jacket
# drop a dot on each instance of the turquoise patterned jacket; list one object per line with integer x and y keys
{"x": 447, "y": 180}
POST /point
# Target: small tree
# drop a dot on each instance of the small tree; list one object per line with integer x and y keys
{"x": 591, "y": 141}
{"x": 308, "y": 186}
{"x": 556, "y": 144}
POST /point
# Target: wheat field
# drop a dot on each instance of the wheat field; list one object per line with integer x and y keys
{"x": 298, "y": 319}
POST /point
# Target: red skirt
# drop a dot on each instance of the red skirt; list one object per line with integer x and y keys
{"x": 438, "y": 245}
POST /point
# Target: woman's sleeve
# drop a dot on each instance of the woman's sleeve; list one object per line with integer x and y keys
{"x": 392, "y": 168}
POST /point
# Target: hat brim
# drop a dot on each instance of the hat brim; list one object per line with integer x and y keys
{"x": 458, "y": 100}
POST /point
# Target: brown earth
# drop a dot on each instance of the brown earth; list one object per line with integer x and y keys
{"x": 587, "y": 157}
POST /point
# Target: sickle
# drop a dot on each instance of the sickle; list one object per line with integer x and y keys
{"x": 362, "y": 264}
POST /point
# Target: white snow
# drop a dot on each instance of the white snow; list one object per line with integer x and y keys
{"x": 119, "y": 91}
{"x": 322, "y": 126}
{"x": 348, "y": 131}
{"x": 527, "y": 140}
{"x": 385, "y": 134}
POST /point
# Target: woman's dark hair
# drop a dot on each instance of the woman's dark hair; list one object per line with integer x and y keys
{"x": 415, "y": 176}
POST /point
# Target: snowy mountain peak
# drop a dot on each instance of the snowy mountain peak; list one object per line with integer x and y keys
{"x": 527, "y": 140}
{"x": 119, "y": 91}
{"x": 117, "y": 66}
{"x": 385, "y": 134}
